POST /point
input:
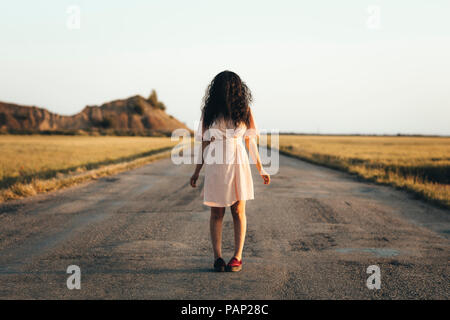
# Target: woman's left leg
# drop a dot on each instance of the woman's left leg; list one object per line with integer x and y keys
{"x": 240, "y": 227}
{"x": 215, "y": 224}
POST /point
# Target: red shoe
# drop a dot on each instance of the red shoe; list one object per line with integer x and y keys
{"x": 234, "y": 265}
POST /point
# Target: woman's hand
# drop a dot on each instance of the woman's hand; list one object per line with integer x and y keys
{"x": 194, "y": 180}
{"x": 265, "y": 176}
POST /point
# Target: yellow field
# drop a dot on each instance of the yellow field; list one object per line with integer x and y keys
{"x": 34, "y": 163}
{"x": 418, "y": 164}
{"x": 38, "y": 163}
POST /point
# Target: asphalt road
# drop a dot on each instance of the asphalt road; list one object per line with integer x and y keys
{"x": 144, "y": 234}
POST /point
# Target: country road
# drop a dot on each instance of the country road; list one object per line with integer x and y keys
{"x": 144, "y": 234}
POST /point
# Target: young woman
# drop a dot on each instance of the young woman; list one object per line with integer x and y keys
{"x": 226, "y": 120}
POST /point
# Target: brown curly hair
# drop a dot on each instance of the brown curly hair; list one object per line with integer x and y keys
{"x": 229, "y": 97}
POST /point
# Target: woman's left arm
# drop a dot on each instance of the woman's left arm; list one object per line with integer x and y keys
{"x": 199, "y": 166}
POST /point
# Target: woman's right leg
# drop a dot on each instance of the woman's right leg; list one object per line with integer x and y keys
{"x": 240, "y": 227}
{"x": 215, "y": 225}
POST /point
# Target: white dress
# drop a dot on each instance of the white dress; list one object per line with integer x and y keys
{"x": 228, "y": 176}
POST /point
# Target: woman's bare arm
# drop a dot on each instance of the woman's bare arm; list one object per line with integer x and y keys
{"x": 252, "y": 147}
{"x": 199, "y": 166}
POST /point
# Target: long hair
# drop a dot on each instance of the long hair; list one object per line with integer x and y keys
{"x": 229, "y": 97}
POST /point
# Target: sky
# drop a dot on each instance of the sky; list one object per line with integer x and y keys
{"x": 343, "y": 67}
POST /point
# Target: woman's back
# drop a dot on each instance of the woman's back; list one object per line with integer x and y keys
{"x": 228, "y": 178}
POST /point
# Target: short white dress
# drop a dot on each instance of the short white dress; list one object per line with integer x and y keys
{"x": 228, "y": 176}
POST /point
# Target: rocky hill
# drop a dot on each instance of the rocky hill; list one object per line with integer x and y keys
{"x": 135, "y": 115}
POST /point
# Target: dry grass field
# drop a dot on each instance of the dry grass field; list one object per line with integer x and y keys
{"x": 31, "y": 164}
{"x": 420, "y": 165}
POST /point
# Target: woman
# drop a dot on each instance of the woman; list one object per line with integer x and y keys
{"x": 226, "y": 119}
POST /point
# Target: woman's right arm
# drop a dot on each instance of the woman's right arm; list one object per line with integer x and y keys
{"x": 252, "y": 146}
{"x": 254, "y": 154}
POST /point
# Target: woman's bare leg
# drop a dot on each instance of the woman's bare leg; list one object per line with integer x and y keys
{"x": 240, "y": 227}
{"x": 215, "y": 224}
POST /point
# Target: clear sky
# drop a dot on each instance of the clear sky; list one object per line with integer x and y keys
{"x": 313, "y": 66}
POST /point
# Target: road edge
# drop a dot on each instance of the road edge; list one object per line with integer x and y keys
{"x": 41, "y": 186}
